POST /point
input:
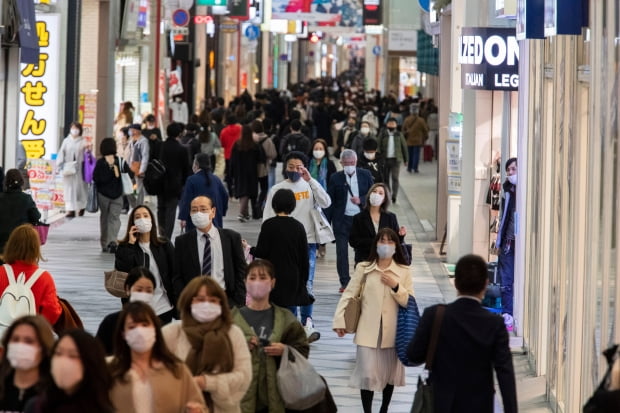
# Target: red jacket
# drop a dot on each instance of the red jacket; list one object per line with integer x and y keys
{"x": 229, "y": 135}
{"x": 44, "y": 290}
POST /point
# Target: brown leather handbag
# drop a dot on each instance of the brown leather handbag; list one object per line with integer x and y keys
{"x": 353, "y": 309}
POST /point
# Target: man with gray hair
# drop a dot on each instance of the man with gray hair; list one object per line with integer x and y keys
{"x": 347, "y": 190}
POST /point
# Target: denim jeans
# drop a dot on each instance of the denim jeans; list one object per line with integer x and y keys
{"x": 342, "y": 229}
{"x": 271, "y": 178}
{"x": 506, "y": 269}
{"x": 414, "y": 158}
{"x": 306, "y": 310}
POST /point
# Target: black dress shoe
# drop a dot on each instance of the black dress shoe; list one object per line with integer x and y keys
{"x": 81, "y": 213}
{"x": 70, "y": 214}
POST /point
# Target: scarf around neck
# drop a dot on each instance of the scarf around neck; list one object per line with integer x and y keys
{"x": 211, "y": 350}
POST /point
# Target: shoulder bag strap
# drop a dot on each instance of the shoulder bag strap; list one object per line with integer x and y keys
{"x": 10, "y": 275}
{"x": 34, "y": 277}
{"x": 430, "y": 352}
{"x": 363, "y": 284}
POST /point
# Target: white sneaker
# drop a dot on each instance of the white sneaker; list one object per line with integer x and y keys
{"x": 311, "y": 333}
{"x": 508, "y": 321}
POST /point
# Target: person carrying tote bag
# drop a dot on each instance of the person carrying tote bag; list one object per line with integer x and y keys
{"x": 388, "y": 286}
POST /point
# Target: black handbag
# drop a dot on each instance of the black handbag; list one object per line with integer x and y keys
{"x": 603, "y": 399}
{"x": 423, "y": 401}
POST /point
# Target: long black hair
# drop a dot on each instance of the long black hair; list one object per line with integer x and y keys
{"x": 93, "y": 392}
{"x": 399, "y": 256}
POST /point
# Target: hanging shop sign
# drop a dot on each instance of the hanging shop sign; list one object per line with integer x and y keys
{"x": 372, "y": 12}
{"x": 210, "y": 2}
{"x": 28, "y": 41}
{"x": 229, "y": 26}
{"x": 39, "y": 92}
{"x": 565, "y": 16}
{"x": 402, "y": 40}
{"x": 489, "y": 59}
{"x": 143, "y": 11}
{"x": 530, "y": 19}
{"x": 239, "y": 9}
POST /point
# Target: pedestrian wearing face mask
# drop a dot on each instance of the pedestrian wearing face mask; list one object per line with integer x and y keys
{"x": 393, "y": 147}
{"x": 373, "y": 217}
{"x": 505, "y": 242}
{"x": 212, "y": 347}
{"x": 309, "y": 194}
{"x": 387, "y": 284}
{"x": 175, "y": 159}
{"x": 267, "y": 329}
{"x": 348, "y": 131}
{"x": 139, "y": 286}
{"x": 26, "y": 366}
{"x": 70, "y": 161}
{"x": 80, "y": 378}
{"x": 210, "y": 251}
{"x": 321, "y": 168}
{"x": 203, "y": 183}
{"x": 347, "y": 190}
{"x": 142, "y": 247}
{"x": 371, "y": 160}
{"x": 146, "y": 376}
{"x": 356, "y": 142}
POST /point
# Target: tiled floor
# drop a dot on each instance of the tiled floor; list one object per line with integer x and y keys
{"x": 75, "y": 260}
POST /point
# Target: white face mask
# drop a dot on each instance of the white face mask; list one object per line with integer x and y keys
{"x": 385, "y": 250}
{"x": 144, "y": 225}
{"x": 318, "y": 154}
{"x": 140, "y": 339}
{"x": 349, "y": 169}
{"x": 67, "y": 372}
{"x": 200, "y": 219}
{"x": 512, "y": 179}
{"x": 141, "y": 296}
{"x": 205, "y": 312}
{"x": 22, "y": 356}
{"x": 370, "y": 155}
{"x": 365, "y": 131}
{"x": 75, "y": 132}
{"x": 376, "y": 199}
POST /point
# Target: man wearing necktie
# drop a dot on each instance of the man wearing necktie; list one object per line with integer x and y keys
{"x": 210, "y": 251}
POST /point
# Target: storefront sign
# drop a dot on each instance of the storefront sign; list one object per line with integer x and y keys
{"x": 44, "y": 191}
{"x": 506, "y": 9}
{"x": 565, "y": 17}
{"x": 210, "y": 2}
{"x": 453, "y": 152}
{"x": 372, "y": 12}
{"x": 402, "y": 40}
{"x": 239, "y": 9}
{"x": 143, "y": 11}
{"x": 489, "y": 59}
{"x": 229, "y": 26}
{"x": 530, "y": 19}
{"x": 336, "y": 13}
{"x": 87, "y": 115}
{"x": 28, "y": 41}
{"x": 39, "y": 97}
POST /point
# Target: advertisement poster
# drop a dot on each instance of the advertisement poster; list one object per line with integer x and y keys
{"x": 46, "y": 191}
{"x": 39, "y": 92}
{"x": 323, "y": 13}
{"x": 87, "y": 115}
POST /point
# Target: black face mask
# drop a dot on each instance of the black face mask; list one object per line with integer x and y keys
{"x": 391, "y": 129}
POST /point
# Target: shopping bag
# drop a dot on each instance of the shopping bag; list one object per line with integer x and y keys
{"x": 42, "y": 229}
{"x": 406, "y": 325}
{"x": 92, "y": 204}
{"x": 301, "y": 387}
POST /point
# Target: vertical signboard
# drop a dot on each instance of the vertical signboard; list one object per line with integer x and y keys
{"x": 530, "y": 19}
{"x": 489, "y": 58}
{"x": 372, "y": 12}
{"x": 453, "y": 150}
{"x": 39, "y": 92}
{"x": 565, "y": 16}
{"x": 87, "y": 115}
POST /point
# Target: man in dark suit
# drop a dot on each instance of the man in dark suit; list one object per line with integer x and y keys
{"x": 174, "y": 157}
{"x": 210, "y": 251}
{"x": 347, "y": 189}
{"x": 472, "y": 343}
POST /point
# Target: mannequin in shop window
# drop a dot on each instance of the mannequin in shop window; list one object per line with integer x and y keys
{"x": 506, "y": 241}
{"x": 179, "y": 110}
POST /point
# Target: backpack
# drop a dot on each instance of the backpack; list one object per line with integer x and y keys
{"x": 154, "y": 177}
{"x": 296, "y": 142}
{"x": 17, "y": 299}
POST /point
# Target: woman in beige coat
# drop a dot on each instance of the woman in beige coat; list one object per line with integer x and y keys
{"x": 387, "y": 284}
{"x": 214, "y": 349}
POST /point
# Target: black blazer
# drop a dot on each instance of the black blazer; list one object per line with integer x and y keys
{"x": 176, "y": 160}
{"x": 472, "y": 343}
{"x": 339, "y": 193}
{"x": 188, "y": 263}
{"x": 363, "y": 232}
{"x": 129, "y": 256}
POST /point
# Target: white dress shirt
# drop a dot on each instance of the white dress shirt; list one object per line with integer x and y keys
{"x": 217, "y": 257}
{"x": 390, "y": 146}
{"x": 351, "y": 209}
